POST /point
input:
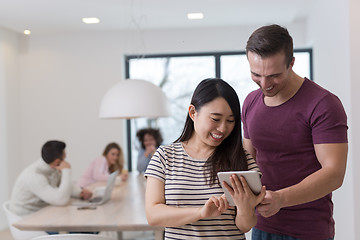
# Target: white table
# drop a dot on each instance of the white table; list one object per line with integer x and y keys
{"x": 124, "y": 212}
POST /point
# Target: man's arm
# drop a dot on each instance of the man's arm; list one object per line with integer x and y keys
{"x": 332, "y": 158}
{"x": 50, "y": 194}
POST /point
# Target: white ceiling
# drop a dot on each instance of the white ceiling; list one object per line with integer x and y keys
{"x": 41, "y": 16}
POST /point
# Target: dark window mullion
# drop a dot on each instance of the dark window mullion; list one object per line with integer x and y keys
{"x": 128, "y": 123}
{"x": 217, "y": 65}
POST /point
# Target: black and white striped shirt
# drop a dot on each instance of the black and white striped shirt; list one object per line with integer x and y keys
{"x": 185, "y": 186}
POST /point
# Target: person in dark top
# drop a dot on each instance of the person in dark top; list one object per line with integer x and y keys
{"x": 297, "y": 133}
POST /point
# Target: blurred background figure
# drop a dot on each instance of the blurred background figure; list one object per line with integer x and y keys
{"x": 150, "y": 139}
{"x": 99, "y": 170}
{"x": 45, "y": 182}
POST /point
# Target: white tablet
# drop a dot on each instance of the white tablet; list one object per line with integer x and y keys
{"x": 251, "y": 177}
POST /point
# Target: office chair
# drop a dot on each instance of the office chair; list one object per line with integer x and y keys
{"x": 73, "y": 237}
{"x": 16, "y": 233}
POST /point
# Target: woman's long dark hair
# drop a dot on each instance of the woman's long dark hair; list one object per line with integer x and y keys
{"x": 230, "y": 154}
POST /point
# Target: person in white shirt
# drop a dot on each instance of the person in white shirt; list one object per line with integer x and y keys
{"x": 45, "y": 182}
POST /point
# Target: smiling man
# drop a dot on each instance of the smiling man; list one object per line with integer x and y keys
{"x": 297, "y": 132}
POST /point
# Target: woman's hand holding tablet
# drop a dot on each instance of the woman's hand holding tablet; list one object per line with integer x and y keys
{"x": 251, "y": 177}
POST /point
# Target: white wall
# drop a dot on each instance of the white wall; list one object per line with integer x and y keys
{"x": 3, "y": 145}
{"x": 354, "y": 6}
{"x": 330, "y": 34}
{"x": 9, "y": 112}
{"x": 64, "y": 78}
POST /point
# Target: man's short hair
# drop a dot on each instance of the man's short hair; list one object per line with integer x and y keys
{"x": 269, "y": 40}
{"x": 52, "y": 150}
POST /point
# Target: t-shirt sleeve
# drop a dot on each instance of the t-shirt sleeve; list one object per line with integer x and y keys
{"x": 156, "y": 167}
{"x": 249, "y": 105}
{"x": 329, "y": 121}
{"x": 243, "y": 117}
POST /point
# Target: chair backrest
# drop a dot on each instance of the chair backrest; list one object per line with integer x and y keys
{"x": 16, "y": 233}
{"x": 73, "y": 237}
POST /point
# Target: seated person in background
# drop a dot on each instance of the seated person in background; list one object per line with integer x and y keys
{"x": 100, "y": 169}
{"x": 150, "y": 140}
{"x": 45, "y": 182}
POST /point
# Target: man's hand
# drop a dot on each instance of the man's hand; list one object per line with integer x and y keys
{"x": 85, "y": 194}
{"x": 149, "y": 149}
{"x": 270, "y": 205}
{"x": 63, "y": 164}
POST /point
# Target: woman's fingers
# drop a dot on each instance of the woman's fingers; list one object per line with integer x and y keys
{"x": 215, "y": 206}
{"x": 223, "y": 204}
{"x": 245, "y": 185}
{"x": 237, "y": 183}
{"x": 229, "y": 188}
{"x": 226, "y": 203}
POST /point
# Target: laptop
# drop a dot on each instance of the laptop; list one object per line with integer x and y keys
{"x": 99, "y": 200}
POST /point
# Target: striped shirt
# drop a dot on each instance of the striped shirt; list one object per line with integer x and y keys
{"x": 185, "y": 186}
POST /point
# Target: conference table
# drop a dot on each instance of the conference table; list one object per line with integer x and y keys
{"x": 125, "y": 211}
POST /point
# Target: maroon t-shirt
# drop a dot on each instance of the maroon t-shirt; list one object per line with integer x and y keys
{"x": 284, "y": 138}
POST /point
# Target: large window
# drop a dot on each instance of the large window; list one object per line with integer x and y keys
{"x": 179, "y": 74}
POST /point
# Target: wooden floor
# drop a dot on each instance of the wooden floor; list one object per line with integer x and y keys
{"x": 6, "y": 235}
